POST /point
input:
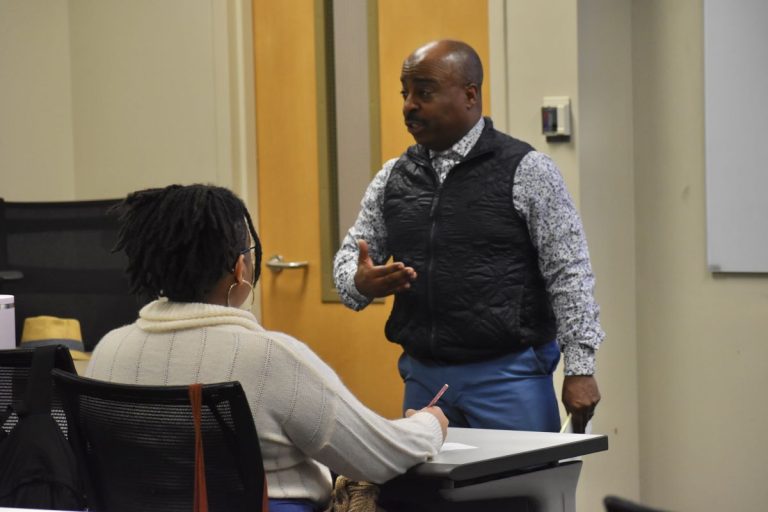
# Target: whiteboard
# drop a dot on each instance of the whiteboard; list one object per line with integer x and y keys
{"x": 736, "y": 134}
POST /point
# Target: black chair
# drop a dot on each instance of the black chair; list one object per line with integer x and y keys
{"x": 136, "y": 445}
{"x": 56, "y": 259}
{"x": 15, "y": 366}
{"x": 617, "y": 504}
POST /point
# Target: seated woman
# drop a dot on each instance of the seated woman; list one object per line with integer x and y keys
{"x": 194, "y": 250}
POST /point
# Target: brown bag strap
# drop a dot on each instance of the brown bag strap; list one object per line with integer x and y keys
{"x": 265, "y": 496}
{"x": 201, "y": 493}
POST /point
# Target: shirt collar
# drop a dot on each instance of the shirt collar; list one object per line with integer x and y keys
{"x": 464, "y": 145}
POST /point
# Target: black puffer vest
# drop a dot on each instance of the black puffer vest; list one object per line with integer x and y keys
{"x": 479, "y": 292}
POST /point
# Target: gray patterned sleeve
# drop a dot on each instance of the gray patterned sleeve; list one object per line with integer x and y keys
{"x": 540, "y": 196}
{"x": 370, "y": 227}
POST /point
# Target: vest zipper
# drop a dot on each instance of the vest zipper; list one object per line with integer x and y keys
{"x": 431, "y": 248}
{"x": 430, "y": 265}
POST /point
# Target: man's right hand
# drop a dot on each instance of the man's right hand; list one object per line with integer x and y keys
{"x": 380, "y": 280}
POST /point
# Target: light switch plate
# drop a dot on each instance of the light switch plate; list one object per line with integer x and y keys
{"x": 556, "y": 116}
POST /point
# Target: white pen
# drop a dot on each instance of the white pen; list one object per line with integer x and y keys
{"x": 438, "y": 395}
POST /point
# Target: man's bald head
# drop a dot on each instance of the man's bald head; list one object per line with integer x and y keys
{"x": 441, "y": 92}
{"x": 458, "y": 54}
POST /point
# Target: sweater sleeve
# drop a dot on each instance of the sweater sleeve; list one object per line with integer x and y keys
{"x": 325, "y": 421}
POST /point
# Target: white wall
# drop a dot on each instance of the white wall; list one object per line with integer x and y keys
{"x": 542, "y": 62}
{"x": 102, "y": 97}
{"x": 585, "y": 53}
{"x": 606, "y": 192}
{"x": 36, "y": 146}
{"x": 702, "y": 341}
{"x": 144, "y": 97}
{"x": 683, "y": 366}
{"x": 636, "y": 171}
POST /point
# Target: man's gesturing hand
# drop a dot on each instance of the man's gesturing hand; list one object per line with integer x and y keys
{"x": 380, "y": 280}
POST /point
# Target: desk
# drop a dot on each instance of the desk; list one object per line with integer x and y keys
{"x": 508, "y": 470}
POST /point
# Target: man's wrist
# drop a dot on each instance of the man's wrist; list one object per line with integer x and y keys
{"x": 578, "y": 360}
{"x": 356, "y": 295}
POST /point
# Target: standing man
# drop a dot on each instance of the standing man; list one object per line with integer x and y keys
{"x": 490, "y": 271}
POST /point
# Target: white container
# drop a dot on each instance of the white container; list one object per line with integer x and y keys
{"x": 7, "y": 322}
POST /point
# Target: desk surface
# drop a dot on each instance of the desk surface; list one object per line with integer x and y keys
{"x": 501, "y": 451}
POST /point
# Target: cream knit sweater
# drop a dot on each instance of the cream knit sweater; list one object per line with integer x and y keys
{"x": 305, "y": 416}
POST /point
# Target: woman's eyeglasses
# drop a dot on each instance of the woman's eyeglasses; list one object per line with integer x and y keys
{"x": 252, "y": 251}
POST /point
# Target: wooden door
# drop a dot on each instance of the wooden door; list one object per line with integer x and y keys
{"x": 288, "y": 182}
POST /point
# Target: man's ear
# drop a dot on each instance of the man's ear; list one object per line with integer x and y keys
{"x": 239, "y": 271}
{"x": 472, "y": 93}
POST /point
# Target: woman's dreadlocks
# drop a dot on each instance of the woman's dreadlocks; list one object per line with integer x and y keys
{"x": 180, "y": 240}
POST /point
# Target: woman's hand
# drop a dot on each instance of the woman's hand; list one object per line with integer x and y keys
{"x": 437, "y": 413}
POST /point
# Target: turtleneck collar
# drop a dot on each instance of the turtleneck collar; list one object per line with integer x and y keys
{"x": 163, "y": 315}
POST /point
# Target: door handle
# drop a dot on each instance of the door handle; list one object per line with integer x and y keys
{"x": 277, "y": 264}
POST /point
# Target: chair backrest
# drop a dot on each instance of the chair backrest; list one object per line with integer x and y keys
{"x": 63, "y": 251}
{"x": 137, "y": 445}
{"x": 15, "y": 366}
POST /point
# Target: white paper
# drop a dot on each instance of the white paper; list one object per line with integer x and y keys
{"x": 449, "y": 447}
{"x": 567, "y": 427}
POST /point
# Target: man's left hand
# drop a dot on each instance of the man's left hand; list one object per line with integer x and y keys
{"x": 580, "y": 397}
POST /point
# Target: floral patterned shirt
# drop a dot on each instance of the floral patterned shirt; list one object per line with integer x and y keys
{"x": 540, "y": 197}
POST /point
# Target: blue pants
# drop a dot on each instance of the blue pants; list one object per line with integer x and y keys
{"x": 512, "y": 392}
{"x": 285, "y": 505}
